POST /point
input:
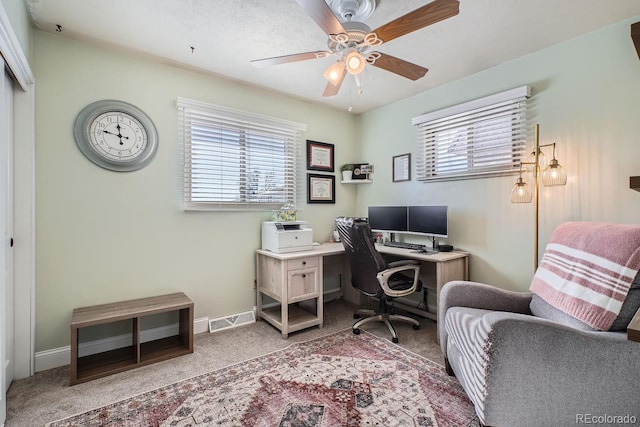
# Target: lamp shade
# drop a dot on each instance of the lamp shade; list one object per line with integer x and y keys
{"x": 554, "y": 174}
{"x": 521, "y": 192}
{"x": 334, "y": 73}
{"x": 531, "y": 160}
{"x": 355, "y": 62}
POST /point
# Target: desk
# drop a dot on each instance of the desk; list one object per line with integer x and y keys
{"x": 297, "y": 277}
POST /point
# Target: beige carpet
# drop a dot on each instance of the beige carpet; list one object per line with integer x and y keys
{"x": 47, "y": 395}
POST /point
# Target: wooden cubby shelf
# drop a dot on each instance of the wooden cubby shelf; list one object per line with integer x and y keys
{"x": 98, "y": 365}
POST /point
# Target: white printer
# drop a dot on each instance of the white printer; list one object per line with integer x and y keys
{"x": 281, "y": 237}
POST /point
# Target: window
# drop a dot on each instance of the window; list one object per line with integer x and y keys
{"x": 236, "y": 160}
{"x": 485, "y": 137}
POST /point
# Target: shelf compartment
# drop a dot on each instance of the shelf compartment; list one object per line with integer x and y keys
{"x": 94, "y": 366}
{"x": 298, "y": 318}
{"x": 163, "y": 349}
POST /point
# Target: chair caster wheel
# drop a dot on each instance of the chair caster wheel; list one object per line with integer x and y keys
{"x": 356, "y": 331}
{"x": 394, "y": 340}
{"x": 416, "y": 327}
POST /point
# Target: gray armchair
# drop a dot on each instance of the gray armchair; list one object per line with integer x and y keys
{"x": 523, "y": 362}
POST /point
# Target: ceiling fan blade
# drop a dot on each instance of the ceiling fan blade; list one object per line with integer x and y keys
{"x": 426, "y": 15}
{"x": 400, "y": 66}
{"x": 320, "y": 12}
{"x": 276, "y": 60}
{"x": 331, "y": 89}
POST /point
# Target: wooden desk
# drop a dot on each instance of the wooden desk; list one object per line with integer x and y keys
{"x": 436, "y": 269}
{"x": 297, "y": 277}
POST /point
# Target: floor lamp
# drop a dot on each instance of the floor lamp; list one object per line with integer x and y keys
{"x": 553, "y": 174}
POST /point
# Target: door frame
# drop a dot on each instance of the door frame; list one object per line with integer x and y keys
{"x": 24, "y": 198}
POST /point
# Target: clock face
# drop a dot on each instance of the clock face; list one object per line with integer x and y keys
{"x": 116, "y": 135}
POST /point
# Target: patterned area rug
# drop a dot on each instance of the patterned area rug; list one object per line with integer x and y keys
{"x": 337, "y": 380}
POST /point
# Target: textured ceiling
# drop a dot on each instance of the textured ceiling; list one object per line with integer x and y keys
{"x": 227, "y": 34}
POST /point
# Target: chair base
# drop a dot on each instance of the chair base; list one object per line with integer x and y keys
{"x": 386, "y": 319}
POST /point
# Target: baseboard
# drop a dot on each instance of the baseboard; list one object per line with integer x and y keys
{"x": 54, "y": 358}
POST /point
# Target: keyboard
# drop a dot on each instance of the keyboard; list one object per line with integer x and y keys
{"x": 403, "y": 245}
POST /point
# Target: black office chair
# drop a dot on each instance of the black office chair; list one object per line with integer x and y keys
{"x": 374, "y": 277}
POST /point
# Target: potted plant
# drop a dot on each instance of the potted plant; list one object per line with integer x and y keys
{"x": 347, "y": 171}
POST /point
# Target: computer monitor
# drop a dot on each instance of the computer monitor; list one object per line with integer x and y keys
{"x": 391, "y": 219}
{"x": 428, "y": 220}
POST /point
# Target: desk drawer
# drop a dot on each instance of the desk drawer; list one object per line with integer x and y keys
{"x": 303, "y": 284}
{"x": 298, "y": 263}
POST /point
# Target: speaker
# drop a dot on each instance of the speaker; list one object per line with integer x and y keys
{"x": 445, "y": 248}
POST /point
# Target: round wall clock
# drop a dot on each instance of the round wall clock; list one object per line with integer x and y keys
{"x": 116, "y": 135}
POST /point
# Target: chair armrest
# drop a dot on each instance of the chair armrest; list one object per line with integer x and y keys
{"x": 403, "y": 262}
{"x": 461, "y": 293}
{"x": 400, "y": 266}
{"x": 591, "y": 371}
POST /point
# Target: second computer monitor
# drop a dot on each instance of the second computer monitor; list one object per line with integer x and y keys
{"x": 428, "y": 220}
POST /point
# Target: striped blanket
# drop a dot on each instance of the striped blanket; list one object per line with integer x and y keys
{"x": 587, "y": 270}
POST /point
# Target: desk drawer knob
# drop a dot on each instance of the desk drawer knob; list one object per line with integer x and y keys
{"x": 304, "y": 275}
{"x": 304, "y": 262}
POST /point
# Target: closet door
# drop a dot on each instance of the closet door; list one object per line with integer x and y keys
{"x": 6, "y": 243}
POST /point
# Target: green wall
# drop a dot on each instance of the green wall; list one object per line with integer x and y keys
{"x": 104, "y": 236}
{"x": 586, "y": 97}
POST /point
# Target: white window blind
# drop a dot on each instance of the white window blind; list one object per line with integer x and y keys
{"x": 234, "y": 160}
{"x": 484, "y": 137}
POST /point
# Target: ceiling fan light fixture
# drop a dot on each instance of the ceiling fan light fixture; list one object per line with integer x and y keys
{"x": 354, "y": 61}
{"x": 334, "y": 73}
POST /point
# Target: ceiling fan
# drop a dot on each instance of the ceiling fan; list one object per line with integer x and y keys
{"x": 351, "y": 39}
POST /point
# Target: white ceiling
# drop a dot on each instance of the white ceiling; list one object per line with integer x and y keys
{"x": 227, "y": 34}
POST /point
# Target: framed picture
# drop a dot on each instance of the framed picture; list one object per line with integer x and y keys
{"x": 402, "y": 167}
{"x": 359, "y": 171}
{"x": 319, "y": 156}
{"x": 321, "y": 188}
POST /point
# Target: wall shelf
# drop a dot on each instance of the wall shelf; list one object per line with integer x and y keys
{"x": 357, "y": 181}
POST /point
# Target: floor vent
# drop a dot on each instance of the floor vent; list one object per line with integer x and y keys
{"x": 232, "y": 321}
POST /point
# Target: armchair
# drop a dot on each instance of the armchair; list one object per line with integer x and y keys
{"x": 525, "y": 359}
{"x": 374, "y": 277}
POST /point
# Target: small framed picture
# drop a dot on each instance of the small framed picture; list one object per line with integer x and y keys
{"x": 360, "y": 171}
{"x": 402, "y": 167}
{"x": 319, "y": 156}
{"x": 321, "y": 188}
